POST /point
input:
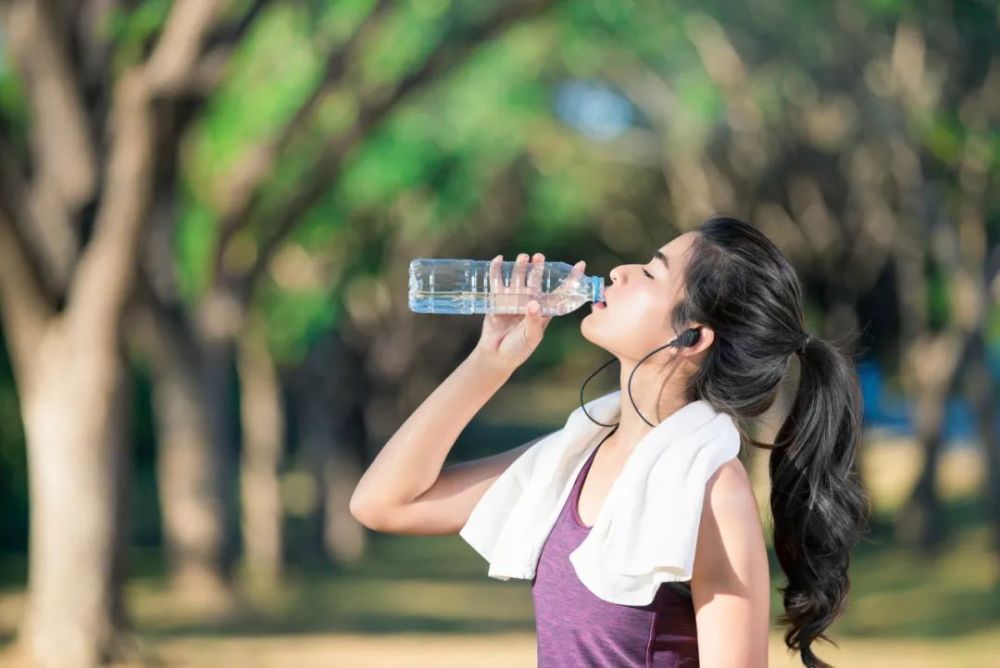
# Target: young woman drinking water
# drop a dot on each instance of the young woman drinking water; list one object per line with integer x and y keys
{"x": 730, "y": 306}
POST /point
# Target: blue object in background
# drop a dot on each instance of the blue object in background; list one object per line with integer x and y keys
{"x": 890, "y": 411}
{"x": 594, "y": 109}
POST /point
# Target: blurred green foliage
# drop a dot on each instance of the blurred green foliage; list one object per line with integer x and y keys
{"x": 428, "y": 167}
{"x": 130, "y": 29}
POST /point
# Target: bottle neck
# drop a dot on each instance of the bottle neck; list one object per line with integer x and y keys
{"x": 597, "y": 289}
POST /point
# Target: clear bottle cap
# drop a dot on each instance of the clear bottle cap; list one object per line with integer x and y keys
{"x": 597, "y": 289}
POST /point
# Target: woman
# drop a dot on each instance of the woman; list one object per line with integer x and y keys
{"x": 729, "y": 304}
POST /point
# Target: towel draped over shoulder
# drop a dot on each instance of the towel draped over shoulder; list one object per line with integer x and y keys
{"x": 647, "y": 528}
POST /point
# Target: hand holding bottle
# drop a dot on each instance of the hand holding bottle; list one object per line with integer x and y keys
{"x": 509, "y": 340}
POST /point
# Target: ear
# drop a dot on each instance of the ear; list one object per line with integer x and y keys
{"x": 704, "y": 341}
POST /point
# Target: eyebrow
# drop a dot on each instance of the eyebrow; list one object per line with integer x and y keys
{"x": 663, "y": 258}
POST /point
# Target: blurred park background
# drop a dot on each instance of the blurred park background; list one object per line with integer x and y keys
{"x": 207, "y": 211}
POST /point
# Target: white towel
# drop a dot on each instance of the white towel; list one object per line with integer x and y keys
{"x": 647, "y": 528}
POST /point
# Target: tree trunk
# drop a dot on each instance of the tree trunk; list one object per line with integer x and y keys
{"x": 219, "y": 387}
{"x": 187, "y": 468}
{"x": 934, "y": 371}
{"x": 73, "y": 414}
{"x": 983, "y": 396}
{"x": 343, "y": 536}
{"x": 921, "y": 520}
{"x": 328, "y": 388}
{"x": 262, "y": 417}
{"x": 328, "y": 458}
{"x": 192, "y": 393}
{"x": 71, "y": 377}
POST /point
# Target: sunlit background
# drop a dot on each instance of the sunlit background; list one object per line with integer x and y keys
{"x": 207, "y": 211}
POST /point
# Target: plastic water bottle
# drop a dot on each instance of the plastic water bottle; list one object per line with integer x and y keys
{"x": 462, "y": 287}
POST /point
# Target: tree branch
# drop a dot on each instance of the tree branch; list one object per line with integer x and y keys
{"x": 23, "y": 308}
{"x": 210, "y": 69}
{"x": 176, "y": 53}
{"x": 103, "y": 279}
{"x": 451, "y": 52}
{"x": 244, "y": 189}
{"x": 47, "y": 244}
{"x": 228, "y": 35}
{"x": 63, "y": 150}
{"x": 169, "y": 327}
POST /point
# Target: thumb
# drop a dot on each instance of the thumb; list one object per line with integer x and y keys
{"x": 543, "y": 320}
{"x": 533, "y": 320}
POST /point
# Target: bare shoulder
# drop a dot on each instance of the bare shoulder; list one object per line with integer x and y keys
{"x": 731, "y": 545}
{"x": 730, "y": 489}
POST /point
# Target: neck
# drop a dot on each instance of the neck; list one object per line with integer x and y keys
{"x": 656, "y": 396}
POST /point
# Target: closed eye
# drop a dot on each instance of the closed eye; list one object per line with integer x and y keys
{"x": 647, "y": 273}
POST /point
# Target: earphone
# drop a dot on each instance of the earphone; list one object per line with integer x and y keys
{"x": 688, "y": 338}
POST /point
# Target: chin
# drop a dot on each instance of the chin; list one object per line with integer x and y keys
{"x": 588, "y": 333}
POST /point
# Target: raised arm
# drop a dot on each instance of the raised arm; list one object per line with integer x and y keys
{"x": 394, "y": 494}
{"x": 404, "y": 490}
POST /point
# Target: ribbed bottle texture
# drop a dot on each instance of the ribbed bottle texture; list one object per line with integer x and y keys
{"x": 463, "y": 287}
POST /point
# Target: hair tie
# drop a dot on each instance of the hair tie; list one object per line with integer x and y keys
{"x": 802, "y": 348}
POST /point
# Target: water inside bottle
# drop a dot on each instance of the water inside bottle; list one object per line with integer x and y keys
{"x": 465, "y": 287}
{"x": 468, "y": 302}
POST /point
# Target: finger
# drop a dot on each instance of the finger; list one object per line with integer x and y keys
{"x": 535, "y": 315}
{"x": 495, "y": 281}
{"x": 533, "y": 322}
{"x": 496, "y": 278}
{"x": 535, "y": 271}
{"x": 517, "y": 275}
{"x": 573, "y": 278}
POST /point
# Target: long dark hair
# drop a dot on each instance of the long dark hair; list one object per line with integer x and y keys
{"x": 740, "y": 285}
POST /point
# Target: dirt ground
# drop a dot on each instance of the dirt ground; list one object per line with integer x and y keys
{"x": 518, "y": 649}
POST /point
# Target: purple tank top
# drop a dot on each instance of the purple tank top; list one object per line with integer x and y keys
{"x": 577, "y": 629}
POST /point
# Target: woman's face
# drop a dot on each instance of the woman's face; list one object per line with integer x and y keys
{"x": 639, "y": 301}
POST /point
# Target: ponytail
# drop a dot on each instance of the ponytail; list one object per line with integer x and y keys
{"x": 818, "y": 504}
